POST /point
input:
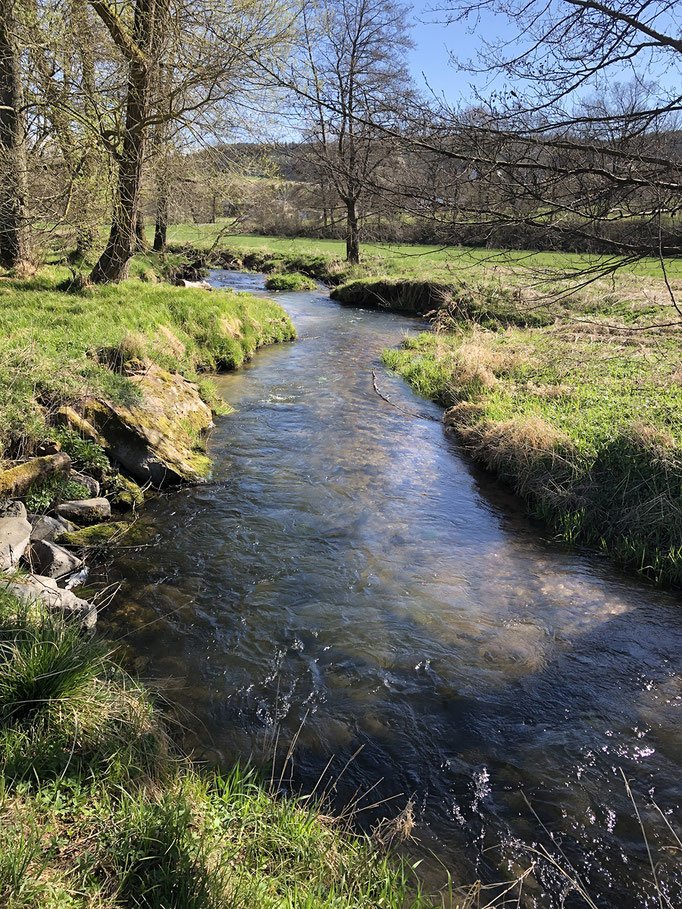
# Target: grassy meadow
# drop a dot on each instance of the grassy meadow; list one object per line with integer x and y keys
{"x": 410, "y": 259}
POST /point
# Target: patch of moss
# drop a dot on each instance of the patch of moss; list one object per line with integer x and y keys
{"x": 97, "y": 535}
{"x": 127, "y": 493}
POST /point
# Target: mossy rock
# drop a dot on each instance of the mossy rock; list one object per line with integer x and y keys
{"x": 126, "y": 493}
{"x": 16, "y": 481}
{"x": 97, "y": 535}
{"x": 160, "y": 440}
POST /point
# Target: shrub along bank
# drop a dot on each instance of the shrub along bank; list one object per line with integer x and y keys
{"x": 97, "y": 809}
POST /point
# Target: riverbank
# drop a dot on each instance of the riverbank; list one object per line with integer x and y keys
{"x": 99, "y": 809}
{"x": 584, "y": 422}
{"x": 103, "y": 395}
{"x": 572, "y": 398}
{"x": 59, "y": 347}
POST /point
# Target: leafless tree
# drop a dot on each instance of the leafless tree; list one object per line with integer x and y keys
{"x": 179, "y": 60}
{"x": 352, "y": 73}
{"x": 581, "y": 143}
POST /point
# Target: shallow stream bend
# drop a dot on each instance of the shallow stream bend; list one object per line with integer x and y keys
{"x": 348, "y": 573}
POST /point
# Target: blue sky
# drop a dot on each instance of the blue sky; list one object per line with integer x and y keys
{"x": 430, "y": 57}
{"x": 434, "y": 40}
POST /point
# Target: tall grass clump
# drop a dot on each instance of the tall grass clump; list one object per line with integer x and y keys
{"x": 64, "y": 703}
{"x": 293, "y": 281}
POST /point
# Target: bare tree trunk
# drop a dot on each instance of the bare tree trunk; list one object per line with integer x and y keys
{"x": 352, "y": 234}
{"x": 140, "y": 237}
{"x": 325, "y": 214}
{"x": 15, "y": 250}
{"x": 161, "y": 225}
{"x": 114, "y": 262}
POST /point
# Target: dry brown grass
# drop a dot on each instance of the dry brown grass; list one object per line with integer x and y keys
{"x": 525, "y": 450}
{"x": 175, "y": 345}
{"x": 231, "y": 327}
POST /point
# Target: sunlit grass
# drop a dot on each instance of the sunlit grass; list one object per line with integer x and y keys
{"x": 56, "y": 346}
{"x": 413, "y": 259}
{"x": 95, "y": 811}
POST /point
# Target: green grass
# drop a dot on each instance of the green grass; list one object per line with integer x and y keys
{"x": 585, "y": 423}
{"x": 57, "y": 347}
{"x": 289, "y": 282}
{"x": 98, "y": 810}
{"x": 491, "y": 286}
{"x": 410, "y": 259}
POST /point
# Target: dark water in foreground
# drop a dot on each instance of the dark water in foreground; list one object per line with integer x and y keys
{"x": 348, "y": 571}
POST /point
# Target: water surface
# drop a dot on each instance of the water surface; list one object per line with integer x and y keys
{"x": 348, "y": 578}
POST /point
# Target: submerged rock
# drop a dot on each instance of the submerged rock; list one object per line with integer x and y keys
{"x": 39, "y": 589}
{"x": 51, "y": 560}
{"x": 157, "y": 440}
{"x": 85, "y": 511}
{"x": 15, "y": 535}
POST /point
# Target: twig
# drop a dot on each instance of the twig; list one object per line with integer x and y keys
{"x": 409, "y": 413}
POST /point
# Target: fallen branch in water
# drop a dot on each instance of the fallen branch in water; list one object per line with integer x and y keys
{"x": 410, "y": 413}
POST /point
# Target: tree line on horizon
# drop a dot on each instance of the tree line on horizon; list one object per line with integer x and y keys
{"x": 108, "y": 108}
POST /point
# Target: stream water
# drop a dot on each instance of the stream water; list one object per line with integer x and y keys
{"x": 349, "y": 579}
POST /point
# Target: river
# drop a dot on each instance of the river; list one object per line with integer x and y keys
{"x": 350, "y": 580}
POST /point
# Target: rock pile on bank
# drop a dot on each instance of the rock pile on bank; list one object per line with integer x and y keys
{"x": 158, "y": 440}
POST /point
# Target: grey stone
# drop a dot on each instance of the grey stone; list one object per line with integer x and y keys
{"x": 38, "y": 589}
{"x": 48, "y": 528}
{"x": 12, "y": 508}
{"x": 15, "y": 534}
{"x": 90, "y": 483}
{"x": 50, "y": 560}
{"x": 85, "y": 511}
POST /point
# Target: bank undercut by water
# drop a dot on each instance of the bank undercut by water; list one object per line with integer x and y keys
{"x": 583, "y": 422}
